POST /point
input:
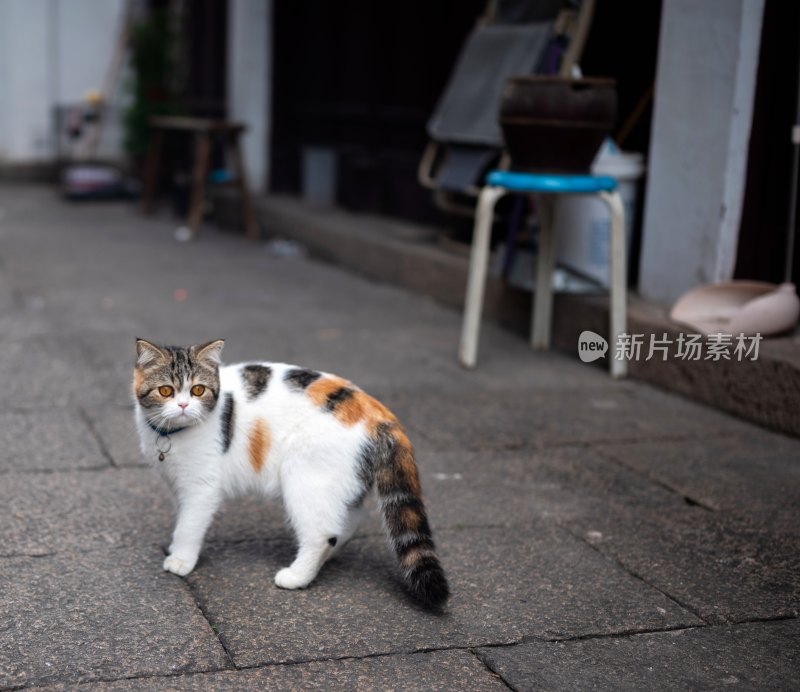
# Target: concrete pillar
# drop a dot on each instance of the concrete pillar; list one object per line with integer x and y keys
{"x": 249, "y": 81}
{"x": 705, "y": 85}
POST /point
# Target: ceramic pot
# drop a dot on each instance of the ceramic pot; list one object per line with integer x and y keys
{"x": 554, "y": 124}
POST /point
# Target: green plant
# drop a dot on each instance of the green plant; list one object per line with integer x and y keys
{"x": 152, "y": 66}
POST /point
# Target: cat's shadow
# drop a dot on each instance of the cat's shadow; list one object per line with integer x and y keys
{"x": 365, "y": 563}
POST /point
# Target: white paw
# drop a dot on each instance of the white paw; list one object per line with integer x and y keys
{"x": 177, "y": 566}
{"x": 289, "y": 579}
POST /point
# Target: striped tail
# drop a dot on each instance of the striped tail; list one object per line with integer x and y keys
{"x": 398, "y": 486}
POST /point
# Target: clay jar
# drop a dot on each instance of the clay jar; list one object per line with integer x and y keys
{"x": 555, "y": 124}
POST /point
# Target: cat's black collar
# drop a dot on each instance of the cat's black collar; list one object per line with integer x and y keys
{"x": 165, "y": 433}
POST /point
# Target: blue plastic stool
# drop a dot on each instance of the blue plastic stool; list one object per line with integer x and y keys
{"x": 500, "y": 183}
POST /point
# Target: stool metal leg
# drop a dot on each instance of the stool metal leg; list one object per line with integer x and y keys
{"x": 543, "y": 295}
{"x": 619, "y": 281}
{"x": 476, "y": 282}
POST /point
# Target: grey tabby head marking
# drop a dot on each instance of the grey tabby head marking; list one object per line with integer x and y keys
{"x": 176, "y": 367}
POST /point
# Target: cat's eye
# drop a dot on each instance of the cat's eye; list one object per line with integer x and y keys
{"x": 198, "y": 390}
{"x": 165, "y": 390}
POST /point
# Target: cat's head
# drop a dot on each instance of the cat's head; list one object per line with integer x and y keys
{"x": 176, "y": 386}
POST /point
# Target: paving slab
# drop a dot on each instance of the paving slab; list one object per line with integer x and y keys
{"x": 100, "y": 614}
{"x": 505, "y": 586}
{"x": 754, "y": 473}
{"x": 756, "y": 656}
{"x": 728, "y": 566}
{"x": 35, "y": 376}
{"x": 47, "y": 440}
{"x": 32, "y": 377}
{"x": 725, "y": 567}
{"x": 541, "y": 418}
{"x": 439, "y": 670}
{"x": 562, "y": 485}
{"x": 114, "y": 427}
{"x": 61, "y": 512}
{"x": 83, "y": 510}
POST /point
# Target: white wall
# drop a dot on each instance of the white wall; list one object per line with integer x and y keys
{"x": 705, "y": 85}
{"x": 51, "y": 52}
{"x": 27, "y": 88}
{"x": 249, "y": 81}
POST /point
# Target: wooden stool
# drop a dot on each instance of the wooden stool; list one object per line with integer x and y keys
{"x": 203, "y": 130}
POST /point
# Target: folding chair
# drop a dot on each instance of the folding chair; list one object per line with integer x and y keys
{"x": 512, "y": 37}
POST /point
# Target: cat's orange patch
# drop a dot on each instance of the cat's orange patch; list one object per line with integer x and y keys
{"x": 375, "y": 413}
{"x": 362, "y": 407}
{"x": 138, "y": 380}
{"x": 351, "y": 410}
{"x": 403, "y": 472}
{"x": 355, "y": 408}
{"x": 258, "y": 444}
{"x": 405, "y": 459}
{"x": 321, "y": 389}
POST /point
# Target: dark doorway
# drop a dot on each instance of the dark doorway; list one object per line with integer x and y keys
{"x": 765, "y": 214}
{"x": 361, "y": 79}
{"x": 205, "y": 44}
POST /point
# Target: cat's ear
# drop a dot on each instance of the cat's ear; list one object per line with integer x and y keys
{"x": 212, "y": 351}
{"x": 147, "y": 353}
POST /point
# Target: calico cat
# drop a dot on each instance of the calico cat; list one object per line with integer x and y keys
{"x": 312, "y": 438}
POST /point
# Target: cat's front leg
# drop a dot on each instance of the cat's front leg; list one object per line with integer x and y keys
{"x": 195, "y": 514}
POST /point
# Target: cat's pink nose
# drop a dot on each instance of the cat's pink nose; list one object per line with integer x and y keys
{"x": 183, "y": 404}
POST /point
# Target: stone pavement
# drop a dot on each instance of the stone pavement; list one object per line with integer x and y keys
{"x": 596, "y": 534}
